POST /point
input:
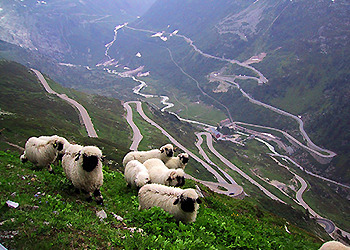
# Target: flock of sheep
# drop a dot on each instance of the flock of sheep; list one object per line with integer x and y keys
{"x": 156, "y": 173}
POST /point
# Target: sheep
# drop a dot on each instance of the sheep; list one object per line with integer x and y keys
{"x": 136, "y": 174}
{"x": 160, "y": 174}
{"x": 43, "y": 151}
{"x": 83, "y": 167}
{"x": 334, "y": 245}
{"x": 61, "y": 140}
{"x": 182, "y": 203}
{"x": 180, "y": 161}
{"x": 164, "y": 153}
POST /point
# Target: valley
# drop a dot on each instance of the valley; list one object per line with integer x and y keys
{"x": 255, "y": 92}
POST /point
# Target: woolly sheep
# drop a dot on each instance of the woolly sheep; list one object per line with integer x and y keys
{"x": 83, "y": 166}
{"x": 160, "y": 174}
{"x": 136, "y": 174}
{"x": 182, "y": 203}
{"x": 164, "y": 153}
{"x": 334, "y": 245}
{"x": 180, "y": 161}
{"x": 60, "y": 140}
{"x": 43, "y": 151}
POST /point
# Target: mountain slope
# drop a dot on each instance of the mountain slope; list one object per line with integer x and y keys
{"x": 27, "y": 110}
{"x": 74, "y": 31}
{"x": 306, "y": 63}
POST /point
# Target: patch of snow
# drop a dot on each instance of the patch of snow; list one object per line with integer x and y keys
{"x": 67, "y": 64}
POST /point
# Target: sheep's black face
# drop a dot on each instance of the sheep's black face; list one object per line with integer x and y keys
{"x": 59, "y": 146}
{"x": 169, "y": 152}
{"x": 187, "y": 204}
{"x": 180, "y": 181}
{"x": 90, "y": 162}
{"x": 184, "y": 159}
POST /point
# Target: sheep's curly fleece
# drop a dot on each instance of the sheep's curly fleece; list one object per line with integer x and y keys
{"x": 142, "y": 156}
{"x": 155, "y": 195}
{"x": 41, "y": 152}
{"x": 180, "y": 161}
{"x": 72, "y": 164}
{"x": 334, "y": 245}
{"x": 136, "y": 174}
{"x": 159, "y": 173}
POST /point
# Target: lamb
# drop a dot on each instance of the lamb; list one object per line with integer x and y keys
{"x": 136, "y": 174}
{"x": 182, "y": 203}
{"x": 83, "y": 166}
{"x": 334, "y": 245}
{"x": 159, "y": 173}
{"x": 43, "y": 151}
{"x": 164, "y": 153}
{"x": 180, "y": 161}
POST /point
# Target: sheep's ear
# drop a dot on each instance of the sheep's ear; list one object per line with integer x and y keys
{"x": 162, "y": 150}
{"x": 172, "y": 175}
{"x": 103, "y": 158}
{"x": 176, "y": 201}
{"x": 199, "y": 201}
{"x": 78, "y": 156}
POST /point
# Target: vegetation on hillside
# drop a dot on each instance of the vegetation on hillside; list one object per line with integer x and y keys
{"x": 52, "y": 215}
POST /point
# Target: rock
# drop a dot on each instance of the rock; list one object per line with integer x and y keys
{"x": 12, "y": 204}
{"x": 101, "y": 214}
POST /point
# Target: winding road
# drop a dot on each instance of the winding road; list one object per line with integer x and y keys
{"x": 311, "y": 147}
{"x": 86, "y": 120}
{"x": 232, "y": 188}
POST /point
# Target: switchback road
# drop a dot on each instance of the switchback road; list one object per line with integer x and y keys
{"x": 86, "y": 120}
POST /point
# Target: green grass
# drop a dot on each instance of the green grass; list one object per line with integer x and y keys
{"x": 52, "y": 215}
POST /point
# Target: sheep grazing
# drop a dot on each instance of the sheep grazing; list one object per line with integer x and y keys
{"x": 159, "y": 173}
{"x": 83, "y": 166}
{"x": 182, "y": 203}
{"x": 136, "y": 174}
{"x": 334, "y": 245}
{"x": 43, "y": 151}
{"x": 180, "y": 161}
{"x": 164, "y": 153}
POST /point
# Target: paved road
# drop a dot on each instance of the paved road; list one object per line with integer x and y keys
{"x": 232, "y": 189}
{"x": 82, "y": 111}
{"x": 327, "y": 224}
{"x": 311, "y": 146}
{"x": 235, "y": 168}
{"x": 137, "y": 137}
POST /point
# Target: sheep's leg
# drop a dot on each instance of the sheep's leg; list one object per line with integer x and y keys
{"x": 89, "y": 198}
{"x": 23, "y": 158}
{"x": 98, "y": 197}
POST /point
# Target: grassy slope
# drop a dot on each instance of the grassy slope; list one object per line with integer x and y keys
{"x": 52, "y": 215}
{"x": 57, "y": 119}
{"x": 36, "y": 112}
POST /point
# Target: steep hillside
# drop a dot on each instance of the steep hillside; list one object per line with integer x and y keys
{"x": 51, "y": 215}
{"x": 27, "y": 110}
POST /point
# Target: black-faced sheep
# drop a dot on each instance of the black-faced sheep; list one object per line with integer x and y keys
{"x": 43, "y": 151}
{"x": 159, "y": 173}
{"x": 164, "y": 153}
{"x": 182, "y": 203}
{"x": 83, "y": 166}
{"x": 180, "y": 161}
{"x": 334, "y": 245}
{"x": 136, "y": 174}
